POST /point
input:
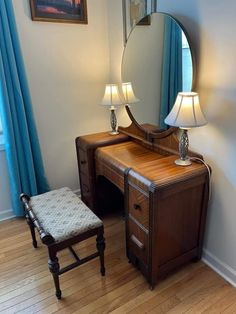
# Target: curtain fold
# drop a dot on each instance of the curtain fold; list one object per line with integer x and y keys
{"x": 171, "y": 69}
{"x": 25, "y": 165}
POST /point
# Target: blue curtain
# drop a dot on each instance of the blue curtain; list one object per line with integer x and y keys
{"x": 26, "y": 172}
{"x": 171, "y": 69}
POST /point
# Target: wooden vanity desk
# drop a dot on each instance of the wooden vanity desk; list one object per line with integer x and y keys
{"x": 165, "y": 204}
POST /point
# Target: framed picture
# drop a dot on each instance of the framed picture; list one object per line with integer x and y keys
{"x": 66, "y": 11}
{"x": 136, "y": 12}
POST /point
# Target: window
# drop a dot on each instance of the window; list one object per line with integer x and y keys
{"x": 187, "y": 65}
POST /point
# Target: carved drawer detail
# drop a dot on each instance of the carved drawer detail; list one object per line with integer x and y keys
{"x": 85, "y": 189}
{"x": 138, "y": 241}
{"x": 139, "y": 206}
{"x": 83, "y": 161}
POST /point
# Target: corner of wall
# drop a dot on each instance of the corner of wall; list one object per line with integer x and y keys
{"x": 224, "y": 270}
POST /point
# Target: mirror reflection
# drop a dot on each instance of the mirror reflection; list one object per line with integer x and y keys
{"x": 157, "y": 61}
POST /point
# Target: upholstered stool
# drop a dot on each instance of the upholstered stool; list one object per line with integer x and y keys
{"x": 63, "y": 220}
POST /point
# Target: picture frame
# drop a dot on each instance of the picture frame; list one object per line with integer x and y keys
{"x": 136, "y": 12}
{"x": 62, "y": 11}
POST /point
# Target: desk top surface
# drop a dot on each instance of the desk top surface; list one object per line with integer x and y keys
{"x": 145, "y": 163}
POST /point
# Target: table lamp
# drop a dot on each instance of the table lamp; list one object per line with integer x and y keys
{"x": 112, "y": 98}
{"x": 185, "y": 114}
{"x": 128, "y": 94}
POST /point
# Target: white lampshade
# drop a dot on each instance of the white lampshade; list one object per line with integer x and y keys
{"x": 186, "y": 112}
{"x": 128, "y": 93}
{"x": 111, "y": 96}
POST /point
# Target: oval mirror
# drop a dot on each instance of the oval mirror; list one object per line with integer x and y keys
{"x": 157, "y": 60}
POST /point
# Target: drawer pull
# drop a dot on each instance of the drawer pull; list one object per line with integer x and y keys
{"x": 85, "y": 188}
{"x": 137, "y": 207}
{"x": 83, "y": 162}
{"x": 139, "y": 244}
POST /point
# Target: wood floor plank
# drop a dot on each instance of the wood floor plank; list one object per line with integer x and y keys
{"x": 92, "y": 293}
{"x": 26, "y": 285}
{"x": 231, "y": 309}
{"x": 174, "y": 278}
{"x": 98, "y": 304}
{"x": 211, "y": 299}
{"x": 162, "y": 295}
{"x": 166, "y": 306}
{"x": 117, "y": 302}
{"x": 77, "y": 285}
{"x": 76, "y": 275}
{"x": 223, "y": 303}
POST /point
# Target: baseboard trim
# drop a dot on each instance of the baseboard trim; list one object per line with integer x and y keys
{"x": 6, "y": 214}
{"x": 224, "y": 270}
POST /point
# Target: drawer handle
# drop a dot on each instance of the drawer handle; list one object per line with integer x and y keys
{"x": 85, "y": 188}
{"x": 136, "y": 241}
{"x": 137, "y": 207}
{"x": 83, "y": 162}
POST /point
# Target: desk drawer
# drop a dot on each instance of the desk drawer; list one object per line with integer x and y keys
{"x": 138, "y": 241}
{"x": 83, "y": 162}
{"x": 139, "y": 206}
{"x": 85, "y": 190}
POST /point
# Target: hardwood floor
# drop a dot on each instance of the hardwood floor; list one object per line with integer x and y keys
{"x": 26, "y": 285}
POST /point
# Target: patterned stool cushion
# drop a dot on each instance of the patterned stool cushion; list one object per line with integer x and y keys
{"x": 62, "y": 214}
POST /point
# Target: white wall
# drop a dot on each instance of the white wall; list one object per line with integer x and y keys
{"x": 115, "y": 33}
{"x": 211, "y": 26}
{"x": 67, "y": 66}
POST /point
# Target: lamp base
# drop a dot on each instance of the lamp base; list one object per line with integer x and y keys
{"x": 113, "y": 121}
{"x": 113, "y": 132}
{"x": 183, "y": 162}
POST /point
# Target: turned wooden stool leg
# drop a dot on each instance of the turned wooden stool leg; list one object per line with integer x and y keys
{"x": 32, "y": 230}
{"x": 54, "y": 268}
{"x": 101, "y": 247}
